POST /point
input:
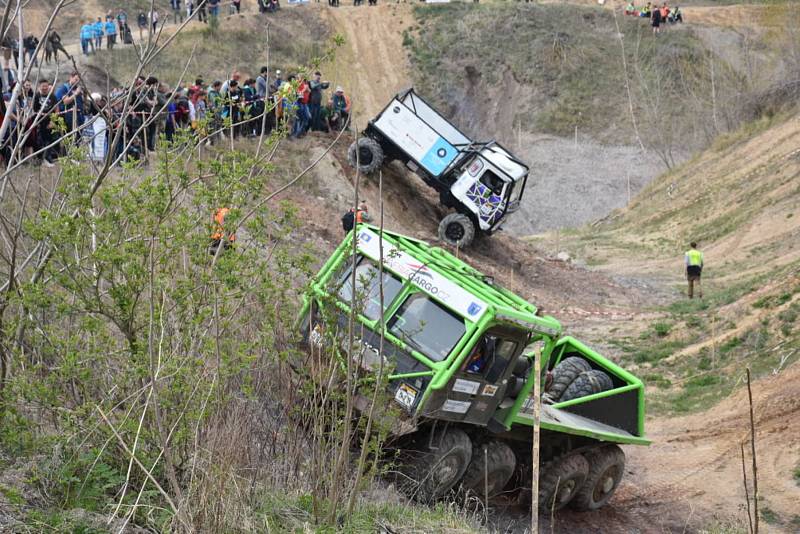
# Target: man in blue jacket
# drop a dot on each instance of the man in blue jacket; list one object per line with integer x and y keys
{"x": 87, "y": 34}
{"x": 70, "y": 101}
{"x": 99, "y": 30}
{"x": 111, "y": 32}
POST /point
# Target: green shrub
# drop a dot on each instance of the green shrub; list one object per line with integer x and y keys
{"x": 662, "y": 329}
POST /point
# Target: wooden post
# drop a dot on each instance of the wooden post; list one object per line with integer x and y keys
{"x": 537, "y": 407}
{"x": 753, "y": 452}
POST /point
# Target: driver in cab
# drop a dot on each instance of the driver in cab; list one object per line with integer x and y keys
{"x": 482, "y": 354}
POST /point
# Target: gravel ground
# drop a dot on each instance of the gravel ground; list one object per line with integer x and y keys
{"x": 572, "y": 185}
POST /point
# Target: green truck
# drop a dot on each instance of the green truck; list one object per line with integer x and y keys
{"x": 458, "y": 350}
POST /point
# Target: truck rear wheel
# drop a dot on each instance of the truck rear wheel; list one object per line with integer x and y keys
{"x": 561, "y": 481}
{"x": 587, "y": 383}
{"x": 438, "y": 468}
{"x": 366, "y": 155}
{"x": 457, "y": 230}
{"x": 606, "y": 467}
{"x": 565, "y": 373}
{"x": 497, "y": 465}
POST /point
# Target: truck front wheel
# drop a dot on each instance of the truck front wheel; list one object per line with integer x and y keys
{"x": 366, "y": 155}
{"x": 439, "y": 467}
{"x": 606, "y": 467}
{"x": 495, "y": 466}
{"x": 561, "y": 481}
{"x": 457, "y": 230}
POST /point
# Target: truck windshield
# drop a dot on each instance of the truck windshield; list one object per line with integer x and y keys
{"x": 368, "y": 286}
{"x": 427, "y": 326}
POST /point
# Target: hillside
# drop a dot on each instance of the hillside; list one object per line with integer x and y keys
{"x": 596, "y": 103}
{"x": 245, "y": 456}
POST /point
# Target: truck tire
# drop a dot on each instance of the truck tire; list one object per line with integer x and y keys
{"x": 606, "y": 467}
{"x": 587, "y": 383}
{"x": 497, "y": 465}
{"x": 366, "y": 155}
{"x": 437, "y": 470}
{"x": 457, "y": 230}
{"x": 565, "y": 373}
{"x": 561, "y": 481}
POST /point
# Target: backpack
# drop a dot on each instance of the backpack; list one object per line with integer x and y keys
{"x": 348, "y": 220}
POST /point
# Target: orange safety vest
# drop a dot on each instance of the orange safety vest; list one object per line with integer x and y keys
{"x": 219, "y": 219}
{"x": 359, "y": 217}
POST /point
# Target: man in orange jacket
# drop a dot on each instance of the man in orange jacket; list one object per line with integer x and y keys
{"x": 218, "y": 236}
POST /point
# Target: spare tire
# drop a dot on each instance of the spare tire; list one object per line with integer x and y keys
{"x": 457, "y": 230}
{"x": 564, "y": 374}
{"x": 587, "y": 383}
{"x": 366, "y": 155}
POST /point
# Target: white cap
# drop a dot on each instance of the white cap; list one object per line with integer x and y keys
{"x": 97, "y": 96}
{"x": 339, "y": 89}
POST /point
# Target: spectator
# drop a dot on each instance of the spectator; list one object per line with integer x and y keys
{"x": 98, "y": 29}
{"x": 44, "y": 104}
{"x": 676, "y": 15}
{"x": 70, "y": 101}
{"x": 122, "y": 21}
{"x": 655, "y": 20}
{"x": 340, "y": 109}
{"x": 141, "y": 21}
{"x": 213, "y": 8}
{"x": 53, "y": 46}
{"x": 30, "y": 43}
{"x": 316, "y": 87}
{"x": 87, "y": 34}
{"x": 196, "y": 89}
{"x": 237, "y": 5}
{"x": 278, "y": 81}
{"x": 235, "y": 76}
{"x": 177, "y": 13}
{"x": 154, "y": 19}
{"x": 202, "y": 15}
{"x": 111, "y": 33}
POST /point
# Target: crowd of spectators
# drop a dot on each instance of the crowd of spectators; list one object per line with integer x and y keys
{"x": 657, "y": 15}
{"x": 129, "y": 121}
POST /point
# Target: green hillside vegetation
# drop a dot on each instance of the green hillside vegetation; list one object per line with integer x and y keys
{"x": 739, "y": 199}
{"x": 215, "y": 51}
{"x": 552, "y": 68}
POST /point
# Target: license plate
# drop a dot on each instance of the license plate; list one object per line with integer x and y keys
{"x": 406, "y": 395}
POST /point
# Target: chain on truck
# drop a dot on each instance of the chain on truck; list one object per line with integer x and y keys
{"x": 459, "y": 349}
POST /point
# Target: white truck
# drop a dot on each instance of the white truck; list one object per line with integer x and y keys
{"x": 481, "y": 182}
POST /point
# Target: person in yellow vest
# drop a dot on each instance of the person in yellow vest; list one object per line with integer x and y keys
{"x": 218, "y": 235}
{"x": 694, "y": 268}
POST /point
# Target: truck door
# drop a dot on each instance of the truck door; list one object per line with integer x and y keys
{"x": 479, "y": 385}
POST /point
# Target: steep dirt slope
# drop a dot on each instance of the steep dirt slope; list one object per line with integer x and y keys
{"x": 740, "y": 200}
{"x": 373, "y": 66}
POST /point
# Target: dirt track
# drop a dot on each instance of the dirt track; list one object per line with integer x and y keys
{"x": 691, "y": 475}
{"x": 373, "y": 65}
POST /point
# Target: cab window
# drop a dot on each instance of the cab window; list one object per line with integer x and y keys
{"x": 427, "y": 327}
{"x": 368, "y": 288}
{"x": 493, "y": 182}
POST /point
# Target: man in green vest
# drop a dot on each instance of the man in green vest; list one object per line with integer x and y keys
{"x": 694, "y": 268}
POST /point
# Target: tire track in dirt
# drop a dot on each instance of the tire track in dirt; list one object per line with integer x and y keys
{"x": 373, "y": 65}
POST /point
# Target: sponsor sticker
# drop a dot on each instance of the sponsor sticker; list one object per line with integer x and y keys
{"x": 489, "y": 390}
{"x": 456, "y": 406}
{"x": 406, "y": 395}
{"x": 315, "y": 337}
{"x": 466, "y": 386}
